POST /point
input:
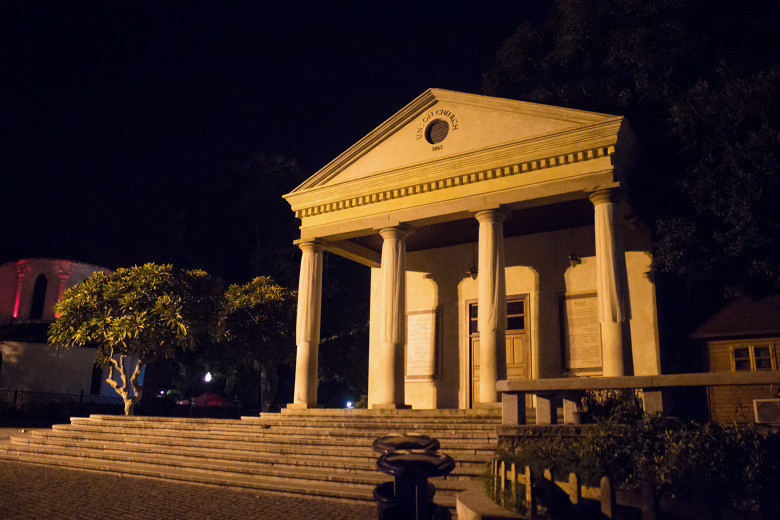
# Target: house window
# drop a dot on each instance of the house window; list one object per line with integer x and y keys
{"x": 753, "y": 357}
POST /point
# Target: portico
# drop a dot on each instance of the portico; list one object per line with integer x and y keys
{"x": 495, "y": 233}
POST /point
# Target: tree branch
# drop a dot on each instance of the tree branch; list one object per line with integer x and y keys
{"x": 123, "y": 372}
{"x": 137, "y": 389}
{"x": 112, "y": 365}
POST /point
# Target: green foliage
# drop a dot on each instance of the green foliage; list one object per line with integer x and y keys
{"x": 258, "y": 318}
{"x": 256, "y": 330}
{"x": 147, "y": 311}
{"x": 601, "y": 403}
{"x": 703, "y": 104}
{"x": 250, "y": 199}
{"x": 343, "y": 359}
{"x": 736, "y": 466}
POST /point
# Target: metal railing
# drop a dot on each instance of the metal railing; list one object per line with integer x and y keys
{"x": 47, "y": 407}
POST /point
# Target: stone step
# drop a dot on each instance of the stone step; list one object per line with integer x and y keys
{"x": 322, "y": 453}
{"x": 353, "y": 485}
{"x": 304, "y": 487}
{"x": 335, "y": 414}
{"x": 375, "y": 430}
{"x": 303, "y": 432}
{"x": 464, "y": 455}
{"x": 316, "y": 415}
{"x": 470, "y": 467}
{"x": 390, "y": 413}
{"x": 362, "y": 456}
{"x": 269, "y": 442}
{"x": 379, "y": 427}
{"x": 298, "y": 421}
{"x": 252, "y": 443}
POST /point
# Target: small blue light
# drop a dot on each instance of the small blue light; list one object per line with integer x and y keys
{"x": 349, "y": 404}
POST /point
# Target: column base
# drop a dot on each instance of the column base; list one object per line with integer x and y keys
{"x": 302, "y": 406}
{"x": 390, "y": 406}
{"x": 488, "y": 406}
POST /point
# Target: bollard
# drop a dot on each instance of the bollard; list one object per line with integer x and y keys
{"x": 410, "y": 459}
{"x": 411, "y": 469}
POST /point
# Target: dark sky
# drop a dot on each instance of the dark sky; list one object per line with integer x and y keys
{"x": 111, "y": 112}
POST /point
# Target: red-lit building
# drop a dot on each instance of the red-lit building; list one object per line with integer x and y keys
{"x": 29, "y": 289}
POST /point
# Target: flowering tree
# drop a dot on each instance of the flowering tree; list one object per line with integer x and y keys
{"x": 144, "y": 312}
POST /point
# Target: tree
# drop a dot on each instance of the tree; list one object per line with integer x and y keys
{"x": 256, "y": 321}
{"x": 697, "y": 81}
{"x": 144, "y": 312}
{"x": 250, "y": 200}
{"x": 343, "y": 366}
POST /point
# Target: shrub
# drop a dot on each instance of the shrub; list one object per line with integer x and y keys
{"x": 735, "y": 466}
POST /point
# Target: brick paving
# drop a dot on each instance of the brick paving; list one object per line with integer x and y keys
{"x": 31, "y": 491}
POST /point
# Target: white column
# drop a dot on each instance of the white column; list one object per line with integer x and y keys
{"x": 392, "y": 315}
{"x": 610, "y": 282}
{"x": 307, "y": 327}
{"x": 491, "y": 317}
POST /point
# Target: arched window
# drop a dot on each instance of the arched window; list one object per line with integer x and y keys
{"x": 39, "y": 298}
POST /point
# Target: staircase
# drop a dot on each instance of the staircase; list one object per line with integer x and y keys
{"x": 320, "y": 452}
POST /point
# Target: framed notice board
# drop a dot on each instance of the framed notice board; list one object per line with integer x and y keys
{"x": 422, "y": 345}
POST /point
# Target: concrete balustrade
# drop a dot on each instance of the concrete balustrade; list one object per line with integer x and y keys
{"x": 549, "y": 392}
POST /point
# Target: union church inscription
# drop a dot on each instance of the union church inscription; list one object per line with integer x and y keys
{"x": 434, "y": 126}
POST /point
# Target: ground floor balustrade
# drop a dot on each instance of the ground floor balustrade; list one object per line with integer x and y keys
{"x": 566, "y": 392}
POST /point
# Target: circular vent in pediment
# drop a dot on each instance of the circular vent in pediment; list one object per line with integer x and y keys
{"x": 436, "y": 131}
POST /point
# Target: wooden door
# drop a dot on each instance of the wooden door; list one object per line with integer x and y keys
{"x": 518, "y": 359}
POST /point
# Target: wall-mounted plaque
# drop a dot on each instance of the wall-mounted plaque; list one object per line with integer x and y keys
{"x": 581, "y": 331}
{"x": 422, "y": 356}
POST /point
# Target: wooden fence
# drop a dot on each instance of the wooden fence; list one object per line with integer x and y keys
{"x": 570, "y": 498}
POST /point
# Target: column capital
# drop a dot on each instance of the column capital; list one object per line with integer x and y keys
{"x": 491, "y": 216}
{"x": 313, "y": 246}
{"x": 604, "y": 196}
{"x": 399, "y": 232}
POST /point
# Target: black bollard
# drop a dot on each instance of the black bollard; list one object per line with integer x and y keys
{"x": 411, "y": 460}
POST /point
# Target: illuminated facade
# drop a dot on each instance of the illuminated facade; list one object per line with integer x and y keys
{"x": 496, "y": 235}
{"x": 29, "y": 289}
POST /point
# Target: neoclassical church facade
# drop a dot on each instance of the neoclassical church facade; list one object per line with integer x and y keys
{"x": 496, "y": 235}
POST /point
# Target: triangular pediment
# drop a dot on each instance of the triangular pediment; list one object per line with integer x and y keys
{"x": 441, "y": 124}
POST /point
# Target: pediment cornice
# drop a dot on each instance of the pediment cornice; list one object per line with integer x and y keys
{"x": 576, "y": 145}
{"x": 426, "y": 100}
{"x": 420, "y": 104}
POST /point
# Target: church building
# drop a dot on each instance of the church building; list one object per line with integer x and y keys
{"x": 497, "y": 237}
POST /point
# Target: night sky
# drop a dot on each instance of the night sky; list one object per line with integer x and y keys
{"x": 112, "y": 114}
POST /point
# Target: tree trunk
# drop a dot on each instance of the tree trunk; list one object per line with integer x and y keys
{"x": 269, "y": 387}
{"x": 130, "y": 403}
{"x": 127, "y": 383}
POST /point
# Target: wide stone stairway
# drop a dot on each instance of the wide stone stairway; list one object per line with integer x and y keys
{"x": 320, "y": 452}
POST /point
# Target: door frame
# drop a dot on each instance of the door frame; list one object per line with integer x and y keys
{"x": 526, "y": 298}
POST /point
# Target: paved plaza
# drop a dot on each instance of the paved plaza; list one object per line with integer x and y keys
{"x": 32, "y": 491}
{"x": 29, "y": 491}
